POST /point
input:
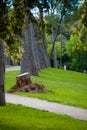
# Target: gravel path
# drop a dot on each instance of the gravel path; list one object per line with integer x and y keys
{"x": 13, "y": 68}
{"x": 74, "y": 112}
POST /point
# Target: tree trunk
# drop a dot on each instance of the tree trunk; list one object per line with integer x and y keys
{"x": 2, "y": 75}
{"x": 55, "y": 58}
{"x": 34, "y": 47}
{"x": 28, "y": 63}
{"x": 54, "y": 49}
{"x": 35, "y": 56}
{"x": 43, "y": 48}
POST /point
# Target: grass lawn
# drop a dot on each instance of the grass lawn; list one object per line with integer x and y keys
{"x": 17, "y": 117}
{"x": 66, "y": 87}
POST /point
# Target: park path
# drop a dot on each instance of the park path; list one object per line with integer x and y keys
{"x": 74, "y": 112}
{"x": 13, "y": 68}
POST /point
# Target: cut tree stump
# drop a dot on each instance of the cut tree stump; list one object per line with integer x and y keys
{"x": 24, "y": 83}
{"x": 23, "y": 79}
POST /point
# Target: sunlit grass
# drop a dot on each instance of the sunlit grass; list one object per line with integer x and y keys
{"x": 66, "y": 87}
{"x": 17, "y": 117}
{"x": 10, "y": 79}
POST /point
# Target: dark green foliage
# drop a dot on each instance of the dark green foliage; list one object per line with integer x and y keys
{"x": 83, "y": 11}
{"x": 3, "y": 19}
{"x": 14, "y": 48}
{"x": 43, "y": 4}
{"x": 17, "y": 17}
{"x": 77, "y": 45}
{"x": 66, "y": 8}
{"x": 78, "y": 63}
{"x": 77, "y": 49}
{"x": 69, "y": 6}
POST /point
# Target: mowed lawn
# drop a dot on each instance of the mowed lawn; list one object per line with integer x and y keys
{"x": 17, "y": 117}
{"x": 66, "y": 87}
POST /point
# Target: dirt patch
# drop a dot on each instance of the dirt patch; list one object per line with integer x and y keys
{"x": 32, "y": 87}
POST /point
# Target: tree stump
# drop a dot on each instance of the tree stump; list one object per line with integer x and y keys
{"x": 23, "y": 79}
{"x": 24, "y": 84}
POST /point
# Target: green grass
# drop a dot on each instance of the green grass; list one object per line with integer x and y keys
{"x": 66, "y": 87}
{"x": 17, "y": 117}
{"x": 10, "y": 79}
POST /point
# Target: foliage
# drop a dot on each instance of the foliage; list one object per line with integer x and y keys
{"x": 13, "y": 48}
{"x": 52, "y": 20}
{"x": 61, "y": 42}
{"x": 77, "y": 47}
{"x": 11, "y": 22}
{"x": 17, "y": 17}
{"x": 48, "y": 39}
{"x": 17, "y": 53}
{"x": 11, "y": 34}
{"x": 83, "y": 11}
{"x": 3, "y": 19}
{"x": 66, "y": 8}
{"x": 57, "y": 46}
{"x": 66, "y": 87}
{"x": 71, "y": 45}
{"x": 60, "y": 13}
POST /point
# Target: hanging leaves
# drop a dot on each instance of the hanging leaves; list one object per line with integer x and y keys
{"x": 17, "y": 17}
{"x": 83, "y": 11}
{"x": 3, "y": 19}
{"x": 14, "y": 48}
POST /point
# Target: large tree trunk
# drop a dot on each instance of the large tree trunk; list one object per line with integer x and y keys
{"x": 43, "y": 59}
{"x": 29, "y": 63}
{"x": 2, "y": 75}
{"x": 34, "y": 47}
{"x": 35, "y": 56}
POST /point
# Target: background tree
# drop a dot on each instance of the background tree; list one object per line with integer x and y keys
{"x": 77, "y": 45}
{"x": 77, "y": 51}
{"x": 59, "y": 15}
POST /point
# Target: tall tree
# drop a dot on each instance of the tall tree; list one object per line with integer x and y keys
{"x": 8, "y": 37}
{"x": 59, "y": 12}
{"x": 35, "y": 56}
{"x": 29, "y": 63}
{"x": 77, "y": 45}
{"x": 3, "y": 30}
{"x": 43, "y": 6}
{"x": 2, "y": 74}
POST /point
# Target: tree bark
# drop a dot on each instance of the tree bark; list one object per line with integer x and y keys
{"x": 43, "y": 47}
{"x": 55, "y": 34}
{"x": 34, "y": 47}
{"x": 53, "y": 51}
{"x": 2, "y": 75}
{"x": 28, "y": 63}
{"x": 35, "y": 56}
